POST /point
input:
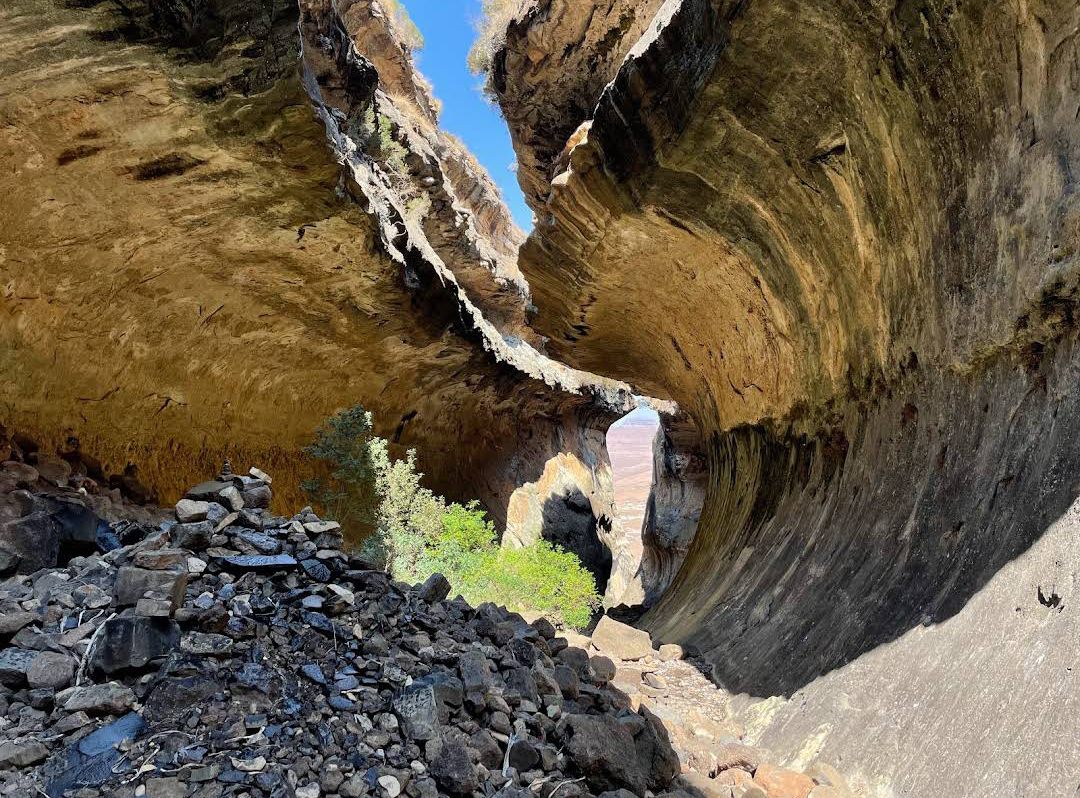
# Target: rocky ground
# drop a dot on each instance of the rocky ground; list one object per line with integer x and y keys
{"x": 232, "y": 652}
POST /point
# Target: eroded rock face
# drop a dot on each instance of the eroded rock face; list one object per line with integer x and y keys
{"x": 848, "y": 241}
{"x": 195, "y": 264}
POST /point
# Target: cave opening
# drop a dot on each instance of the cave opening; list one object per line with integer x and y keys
{"x": 631, "y": 449}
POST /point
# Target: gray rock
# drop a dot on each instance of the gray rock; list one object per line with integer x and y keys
{"x": 316, "y": 570}
{"x": 194, "y": 537}
{"x": 134, "y": 583}
{"x": 576, "y": 658}
{"x": 23, "y": 475}
{"x": 261, "y": 542}
{"x": 51, "y": 670}
{"x": 161, "y": 559}
{"x": 22, "y": 754}
{"x": 89, "y": 762}
{"x": 189, "y": 511}
{"x": 11, "y": 622}
{"x": 231, "y": 498}
{"x": 418, "y": 710}
{"x": 523, "y": 755}
{"x": 321, "y": 527}
{"x": 603, "y": 668}
{"x": 170, "y": 787}
{"x": 258, "y": 497}
{"x": 435, "y": 589}
{"x": 452, "y": 768}
{"x": 153, "y": 608}
{"x": 34, "y": 540}
{"x": 208, "y": 491}
{"x": 14, "y": 665}
{"x": 259, "y": 562}
{"x": 9, "y": 562}
{"x": 207, "y": 645}
{"x": 110, "y": 698}
{"x": 133, "y": 643}
{"x": 611, "y": 755}
{"x": 568, "y": 682}
{"x": 544, "y": 627}
{"x": 476, "y": 676}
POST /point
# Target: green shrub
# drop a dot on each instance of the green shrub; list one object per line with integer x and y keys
{"x": 539, "y": 578}
{"x": 349, "y": 492}
{"x": 414, "y": 533}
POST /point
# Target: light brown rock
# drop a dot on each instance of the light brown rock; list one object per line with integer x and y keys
{"x": 780, "y": 782}
{"x": 670, "y": 651}
{"x": 619, "y": 641}
{"x": 737, "y": 755}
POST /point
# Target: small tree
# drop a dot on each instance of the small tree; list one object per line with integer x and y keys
{"x": 350, "y": 492}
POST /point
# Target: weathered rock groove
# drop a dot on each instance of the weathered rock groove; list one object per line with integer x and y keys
{"x": 847, "y": 235}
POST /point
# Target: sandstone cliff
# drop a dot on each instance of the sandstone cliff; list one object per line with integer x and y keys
{"x": 847, "y": 236}
{"x": 218, "y": 232}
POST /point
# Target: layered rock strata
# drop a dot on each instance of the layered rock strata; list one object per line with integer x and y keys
{"x": 222, "y": 227}
{"x": 848, "y": 239}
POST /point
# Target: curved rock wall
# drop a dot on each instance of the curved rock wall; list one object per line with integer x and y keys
{"x": 844, "y": 237}
{"x": 189, "y": 273}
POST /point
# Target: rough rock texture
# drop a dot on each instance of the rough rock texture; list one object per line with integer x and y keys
{"x": 848, "y": 237}
{"x": 843, "y": 237}
{"x": 559, "y": 56}
{"x": 679, "y": 480}
{"x": 271, "y": 683}
{"x": 200, "y": 260}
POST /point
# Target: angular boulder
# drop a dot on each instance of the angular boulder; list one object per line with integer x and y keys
{"x": 132, "y": 643}
{"x": 620, "y": 641}
{"x": 110, "y": 698}
{"x": 14, "y": 665}
{"x": 33, "y": 541}
{"x": 614, "y": 754}
{"x": 51, "y": 670}
{"x": 134, "y": 583}
{"x": 191, "y": 511}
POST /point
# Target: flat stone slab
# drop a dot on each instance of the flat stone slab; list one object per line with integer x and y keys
{"x": 259, "y": 562}
{"x": 90, "y": 761}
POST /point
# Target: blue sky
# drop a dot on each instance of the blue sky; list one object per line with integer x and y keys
{"x": 448, "y": 30}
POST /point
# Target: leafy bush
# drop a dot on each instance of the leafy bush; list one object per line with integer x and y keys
{"x": 538, "y": 578}
{"x": 414, "y": 533}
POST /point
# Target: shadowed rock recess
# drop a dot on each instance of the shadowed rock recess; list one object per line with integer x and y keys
{"x": 843, "y": 237}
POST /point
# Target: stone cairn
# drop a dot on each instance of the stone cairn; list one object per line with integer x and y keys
{"x": 233, "y": 652}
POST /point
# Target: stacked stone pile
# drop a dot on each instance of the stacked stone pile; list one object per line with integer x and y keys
{"x": 233, "y": 652}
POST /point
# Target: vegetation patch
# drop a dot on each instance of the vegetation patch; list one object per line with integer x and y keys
{"x": 414, "y": 533}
